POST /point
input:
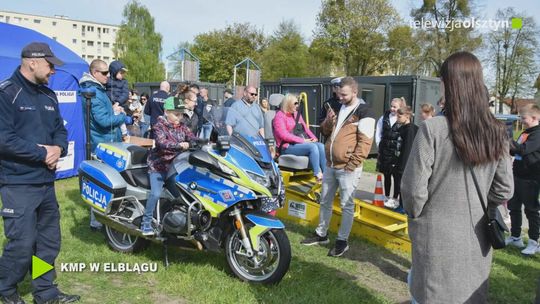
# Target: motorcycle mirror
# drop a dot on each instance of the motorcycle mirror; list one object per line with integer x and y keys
{"x": 270, "y": 142}
{"x": 223, "y": 143}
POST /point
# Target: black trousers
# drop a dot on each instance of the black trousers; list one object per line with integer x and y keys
{"x": 525, "y": 193}
{"x": 32, "y": 227}
{"x": 388, "y": 183}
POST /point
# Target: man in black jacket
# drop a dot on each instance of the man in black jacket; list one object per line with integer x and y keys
{"x": 32, "y": 139}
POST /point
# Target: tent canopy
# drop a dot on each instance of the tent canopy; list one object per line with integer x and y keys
{"x": 65, "y": 82}
{"x": 16, "y": 37}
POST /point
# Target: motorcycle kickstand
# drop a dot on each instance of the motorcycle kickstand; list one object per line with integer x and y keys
{"x": 166, "y": 255}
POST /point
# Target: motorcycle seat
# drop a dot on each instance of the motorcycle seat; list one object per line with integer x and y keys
{"x": 294, "y": 162}
{"x": 137, "y": 177}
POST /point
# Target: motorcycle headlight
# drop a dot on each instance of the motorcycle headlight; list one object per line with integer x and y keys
{"x": 265, "y": 181}
{"x": 226, "y": 169}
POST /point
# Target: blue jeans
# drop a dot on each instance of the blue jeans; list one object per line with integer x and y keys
{"x": 157, "y": 180}
{"x": 205, "y": 131}
{"x": 346, "y": 181}
{"x": 144, "y": 128}
{"x": 313, "y": 150}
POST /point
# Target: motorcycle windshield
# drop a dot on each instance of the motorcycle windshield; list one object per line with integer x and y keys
{"x": 243, "y": 124}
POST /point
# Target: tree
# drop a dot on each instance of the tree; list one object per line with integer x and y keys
{"x": 354, "y": 33}
{"x": 286, "y": 54}
{"x": 403, "y": 52}
{"x": 447, "y": 29}
{"x": 512, "y": 56}
{"x": 220, "y": 50}
{"x": 321, "y": 60}
{"x": 138, "y": 46}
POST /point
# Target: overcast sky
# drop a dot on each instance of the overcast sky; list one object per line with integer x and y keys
{"x": 182, "y": 20}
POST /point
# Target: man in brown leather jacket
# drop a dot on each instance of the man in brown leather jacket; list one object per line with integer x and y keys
{"x": 350, "y": 135}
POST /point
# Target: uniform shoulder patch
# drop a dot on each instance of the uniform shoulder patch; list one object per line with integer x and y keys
{"x": 4, "y": 84}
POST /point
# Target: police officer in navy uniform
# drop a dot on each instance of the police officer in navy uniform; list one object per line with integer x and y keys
{"x": 154, "y": 108}
{"x": 32, "y": 139}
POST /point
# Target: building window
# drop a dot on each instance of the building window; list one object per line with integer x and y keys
{"x": 83, "y": 28}
{"x": 74, "y": 41}
{"x": 17, "y": 19}
{"x": 90, "y": 43}
{"x": 98, "y": 57}
{"x": 106, "y": 58}
{"x": 74, "y": 26}
{"x": 54, "y": 23}
{"x": 90, "y": 28}
{"x": 37, "y": 21}
{"x": 54, "y": 38}
{"x": 105, "y": 30}
{"x": 83, "y": 56}
{"x": 90, "y": 57}
{"x": 106, "y": 44}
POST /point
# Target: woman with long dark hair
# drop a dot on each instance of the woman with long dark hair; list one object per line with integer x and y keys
{"x": 451, "y": 254}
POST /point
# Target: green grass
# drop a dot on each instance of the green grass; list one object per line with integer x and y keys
{"x": 368, "y": 273}
{"x": 370, "y": 165}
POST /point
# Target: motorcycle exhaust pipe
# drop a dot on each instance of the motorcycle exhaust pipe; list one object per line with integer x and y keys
{"x": 118, "y": 226}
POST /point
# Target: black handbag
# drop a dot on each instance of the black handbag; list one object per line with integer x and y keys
{"x": 495, "y": 224}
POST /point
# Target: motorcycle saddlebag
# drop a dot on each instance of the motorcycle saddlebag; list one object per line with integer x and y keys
{"x": 99, "y": 184}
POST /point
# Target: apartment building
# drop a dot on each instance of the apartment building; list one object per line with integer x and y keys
{"x": 90, "y": 40}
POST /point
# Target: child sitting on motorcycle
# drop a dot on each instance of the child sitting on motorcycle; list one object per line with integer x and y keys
{"x": 171, "y": 137}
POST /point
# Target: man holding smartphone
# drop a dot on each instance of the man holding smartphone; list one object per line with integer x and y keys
{"x": 332, "y": 102}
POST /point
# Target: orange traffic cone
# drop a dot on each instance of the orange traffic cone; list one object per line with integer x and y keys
{"x": 378, "y": 198}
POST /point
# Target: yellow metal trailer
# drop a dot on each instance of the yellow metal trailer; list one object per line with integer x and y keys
{"x": 375, "y": 224}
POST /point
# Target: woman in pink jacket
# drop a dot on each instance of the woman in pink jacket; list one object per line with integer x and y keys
{"x": 289, "y": 143}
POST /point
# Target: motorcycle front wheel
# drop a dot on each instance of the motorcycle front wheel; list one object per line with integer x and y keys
{"x": 268, "y": 265}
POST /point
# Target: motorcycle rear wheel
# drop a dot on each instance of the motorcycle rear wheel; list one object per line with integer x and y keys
{"x": 123, "y": 242}
{"x": 274, "y": 257}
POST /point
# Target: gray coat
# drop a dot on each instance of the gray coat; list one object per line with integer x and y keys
{"x": 451, "y": 256}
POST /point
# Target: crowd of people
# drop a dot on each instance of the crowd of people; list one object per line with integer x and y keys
{"x": 432, "y": 164}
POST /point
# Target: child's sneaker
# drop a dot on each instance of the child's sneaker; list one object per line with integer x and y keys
{"x": 532, "y": 248}
{"x": 147, "y": 229}
{"x": 514, "y": 241}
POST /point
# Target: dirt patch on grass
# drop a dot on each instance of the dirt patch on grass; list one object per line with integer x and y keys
{"x": 381, "y": 270}
{"x": 160, "y": 298}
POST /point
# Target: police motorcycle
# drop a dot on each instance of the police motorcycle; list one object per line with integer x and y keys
{"x": 222, "y": 190}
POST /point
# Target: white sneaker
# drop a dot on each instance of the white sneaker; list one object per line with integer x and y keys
{"x": 514, "y": 241}
{"x": 532, "y": 248}
{"x": 391, "y": 203}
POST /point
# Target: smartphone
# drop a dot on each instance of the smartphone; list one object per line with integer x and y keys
{"x": 326, "y": 106}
